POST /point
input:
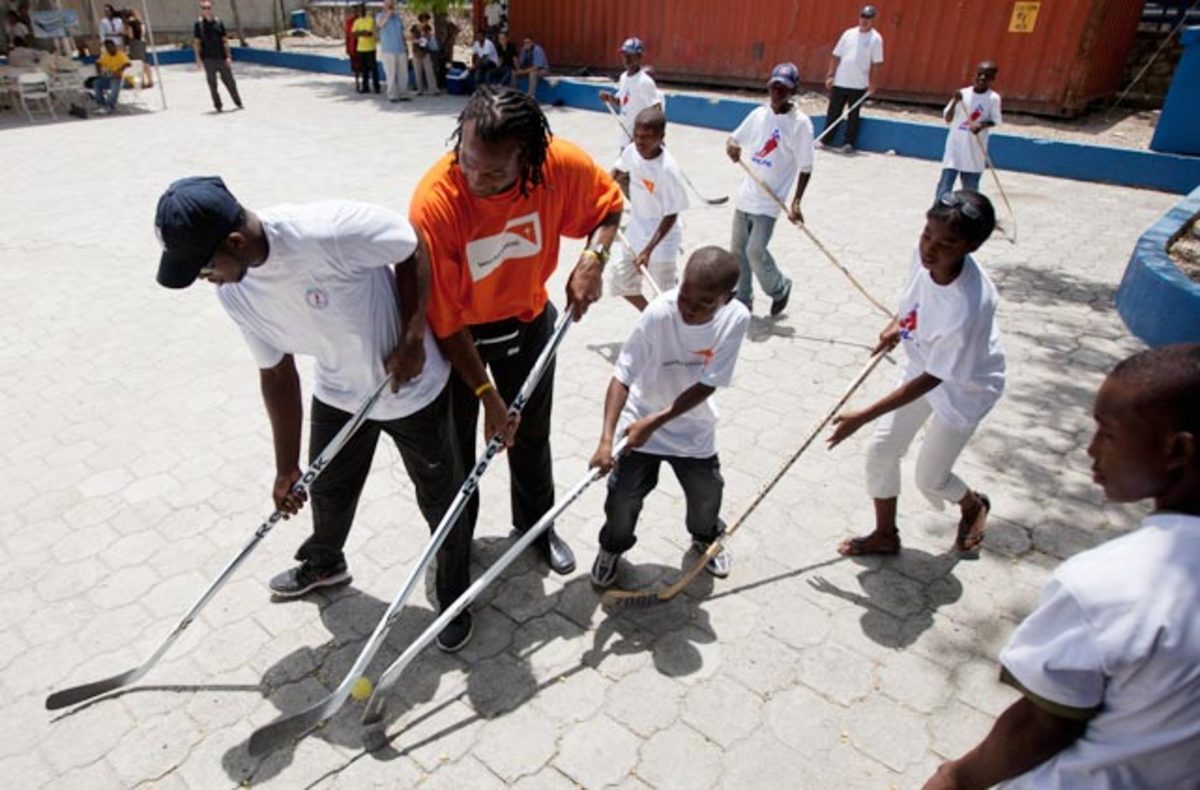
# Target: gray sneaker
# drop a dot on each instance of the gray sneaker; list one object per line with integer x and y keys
{"x": 604, "y": 569}
{"x": 718, "y": 566}
{"x": 306, "y": 576}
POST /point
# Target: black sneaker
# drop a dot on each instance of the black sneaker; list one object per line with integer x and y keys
{"x": 456, "y": 634}
{"x": 604, "y": 569}
{"x": 305, "y": 577}
{"x": 780, "y": 304}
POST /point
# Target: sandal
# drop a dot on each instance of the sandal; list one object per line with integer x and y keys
{"x": 870, "y": 545}
{"x": 970, "y": 535}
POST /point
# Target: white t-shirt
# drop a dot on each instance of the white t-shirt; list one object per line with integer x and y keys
{"x": 492, "y": 13}
{"x": 949, "y": 331}
{"x": 486, "y": 50}
{"x": 664, "y": 356}
{"x": 635, "y": 94}
{"x": 962, "y": 153}
{"x": 327, "y": 291}
{"x": 656, "y": 190}
{"x": 1118, "y": 629}
{"x": 857, "y": 51}
{"x": 776, "y": 147}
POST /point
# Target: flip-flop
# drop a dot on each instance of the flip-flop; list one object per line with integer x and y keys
{"x": 969, "y": 539}
{"x": 857, "y": 547}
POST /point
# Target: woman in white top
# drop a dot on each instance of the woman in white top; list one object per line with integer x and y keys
{"x": 954, "y": 375}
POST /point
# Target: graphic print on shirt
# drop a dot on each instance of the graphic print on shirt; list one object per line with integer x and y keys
{"x": 521, "y": 238}
{"x": 317, "y": 298}
{"x": 760, "y": 156}
{"x": 706, "y": 354}
{"x": 975, "y": 115}
{"x": 649, "y": 185}
{"x": 908, "y": 324}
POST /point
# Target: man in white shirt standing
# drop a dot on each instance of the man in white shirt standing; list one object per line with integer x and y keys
{"x": 484, "y": 59}
{"x": 636, "y": 90}
{"x": 493, "y": 14}
{"x": 781, "y": 139}
{"x": 970, "y": 113}
{"x": 316, "y": 279}
{"x": 852, "y": 74}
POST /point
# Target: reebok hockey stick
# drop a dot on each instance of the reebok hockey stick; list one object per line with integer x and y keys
{"x": 626, "y": 599}
{"x": 77, "y": 694}
{"x": 376, "y": 706}
{"x": 273, "y": 735}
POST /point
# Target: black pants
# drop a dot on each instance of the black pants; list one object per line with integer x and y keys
{"x": 509, "y": 348}
{"x": 369, "y": 66}
{"x": 424, "y": 441}
{"x": 636, "y": 475}
{"x": 837, "y": 102}
{"x": 211, "y": 69}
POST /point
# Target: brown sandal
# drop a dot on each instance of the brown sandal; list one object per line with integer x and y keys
{"x": 970, "y": 535}
{"x": 868, "y": 545}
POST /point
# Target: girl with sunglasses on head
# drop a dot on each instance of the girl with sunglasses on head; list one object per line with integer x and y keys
{"x": 954, "y": 375}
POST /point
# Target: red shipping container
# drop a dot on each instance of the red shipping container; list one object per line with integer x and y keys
{"x": 1055, "y": 56}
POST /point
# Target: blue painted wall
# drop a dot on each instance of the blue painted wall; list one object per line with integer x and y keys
{"x": 1157, "y": 301}
{"x": 1178, "y": 128}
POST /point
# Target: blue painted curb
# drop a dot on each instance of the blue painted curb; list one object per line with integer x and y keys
{"x": 1158, "y": 302}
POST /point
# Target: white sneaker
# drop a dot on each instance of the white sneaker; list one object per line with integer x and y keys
{"x": 718, "y": 566}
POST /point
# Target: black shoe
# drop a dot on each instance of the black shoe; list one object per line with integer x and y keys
{"x": 456, "y": 634}
{"x": 295, "y": 582}
{"x": 557, "y": 553}
{"x": 780, "y": 304}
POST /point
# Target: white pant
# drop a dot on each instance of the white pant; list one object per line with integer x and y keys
{"x": 424, "y": 74}
{"x": 935, "y": 463}
{"x": 395, "y": 68}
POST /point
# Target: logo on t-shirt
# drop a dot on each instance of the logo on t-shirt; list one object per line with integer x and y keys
{"x": 760, "y": 156}
{"x": 317, "y": 298}
{"x": 649, "y": 185}
{"x": 908, "y": 324}
{"x": 707, "y": 355}
{"x": 521, "y": 238}
{"x": 976, "y": 114}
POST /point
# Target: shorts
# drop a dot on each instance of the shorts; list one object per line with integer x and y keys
{"x": 627, "y": 278}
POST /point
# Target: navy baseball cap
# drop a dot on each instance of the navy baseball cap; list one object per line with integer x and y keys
{"x": 785, "y": 73}
{"x": 633, "y": 46}
{"x": 194, "y": 216}
{"x": 868, "y": 11}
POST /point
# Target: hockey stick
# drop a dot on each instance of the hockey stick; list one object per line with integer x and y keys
{"x": 377, "y": 706}
{"x": 845, "y": 114}
{"x": 77, "y": 694}
{"x": 717, "y": 201}
{"x": 626, "y": 599}
{"x": 853, "y": 280}
{"x": 273, "y": 735}
{"x": 1011, "y": 238}
{"x": 645, "y": 269}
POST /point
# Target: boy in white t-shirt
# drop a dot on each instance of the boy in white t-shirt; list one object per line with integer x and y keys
{"x": 636, "y": 90}
{"x": 954, "y": 376}
{"x": 654, "y": 184}
{"x": 1109, "y": 662}
{"x": 684, "y": 347}
{"x": 317, "y": 280}
{"x": 781, "y": 139}
{"x": 970, "y": 113}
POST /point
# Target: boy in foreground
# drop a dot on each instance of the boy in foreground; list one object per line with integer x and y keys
{"x": 684, "y": 347}
{"x": 1109, "y": 662}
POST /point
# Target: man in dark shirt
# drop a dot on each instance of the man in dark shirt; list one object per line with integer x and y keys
{"x": 508, "y": 60}
{"x": 212, "y": 52}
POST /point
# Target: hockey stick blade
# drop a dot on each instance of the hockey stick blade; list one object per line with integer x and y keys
{"x": 73, "y": 696}
{"x": 718, "y": 201}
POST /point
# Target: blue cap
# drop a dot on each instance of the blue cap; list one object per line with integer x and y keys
{"x": 194, "y": 216}
{"x": 787, "y": 74}
{"x": 633, "y": 46}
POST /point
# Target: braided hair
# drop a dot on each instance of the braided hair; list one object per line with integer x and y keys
{"x": 502, "y": 113}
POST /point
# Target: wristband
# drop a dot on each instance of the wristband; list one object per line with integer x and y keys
{"x": 484, "y": 388}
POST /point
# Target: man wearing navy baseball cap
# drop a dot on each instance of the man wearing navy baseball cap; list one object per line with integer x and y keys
{"x": 851, "y": 74}
{"x": 780, "y": 138}
{"x": 636, "y": 90}
{"x": 347, "y": 284}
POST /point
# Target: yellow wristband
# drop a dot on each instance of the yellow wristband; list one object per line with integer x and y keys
{"x": 484, "y": 387}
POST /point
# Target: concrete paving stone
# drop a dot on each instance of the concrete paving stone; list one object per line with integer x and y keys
{"x": 722, "y": 711}
{"x": 690, "y": 655}
{"x": 93, "y": 510}
{"x": 597, "y": 752}
{"x": 549, "y": 644}
{"x": 523, "y": 597}
{"x": 916, "y": 682}
{"x": 465, "y": 773}
{"x": 153, "y": 750}
{"x": 645, "y": 702}
{"x": 762, "y": 665}
{"x": 762, "y": 761}
{"x": 499, "y": 684}
{"x": 887, "y": 732}
{"x": 798, "y": 623}
{"x": 24, "y": 770}
{"x": 123, "y": 587}
{"x": 517, "y": 744}
{"x": 80, "y": 544}
{"x": 547, "y": 779}
{"x": 98, "y": 774}
{"x": 231, "y": 646}
{"x": 366, "y": 773}
{"x": 837, "y": 673}
{"x": 68, "y": 580}
{"x": 679, "y": 757}
{"x": 805, "y": 721}
{"x": 441, "y": 735}
{"x": 86, "y": 735}
{"x": 17, "y": 736}
{"x": 957, "y": 729}
{"x": 978, "y": 684}
{"x": 574, "y": 697}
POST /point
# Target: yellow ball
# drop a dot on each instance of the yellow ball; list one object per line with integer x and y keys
{"x": 361, "y": 689}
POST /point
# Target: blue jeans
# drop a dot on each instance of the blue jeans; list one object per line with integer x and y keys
{"x": 102, "y": 84}
{"x": 751, "y": 234}
{"x": 946, "y": 182}
{"x": 636, "y": 475}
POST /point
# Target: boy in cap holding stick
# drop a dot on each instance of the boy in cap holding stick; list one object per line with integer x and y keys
{"x": 636, "y": 90}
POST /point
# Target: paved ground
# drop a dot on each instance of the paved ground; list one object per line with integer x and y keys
{"x": 137, "y": 460}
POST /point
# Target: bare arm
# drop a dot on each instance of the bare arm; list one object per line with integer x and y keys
{"x": 622, "y": 179}
{"x": 280, "y": 387}
{"x": 614, "y": 401}
{"x": 412, "y": 295}
{"x": 834, "y": 60}
{"x": 664, "y": 227}
{"x": 460, "y": 349}
{"x": 801, "y": 185}
{"x": 1024, "y": 737}
{"x": 584, "y": 283}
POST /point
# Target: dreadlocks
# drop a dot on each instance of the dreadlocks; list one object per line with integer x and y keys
{"x": 506, "y": 114}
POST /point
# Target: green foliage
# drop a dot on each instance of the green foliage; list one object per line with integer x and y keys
{"x": 436, "y": 7}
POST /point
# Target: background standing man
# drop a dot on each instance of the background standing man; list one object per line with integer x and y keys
{"x": 492, "y": 211}
{"x": 393, "y": 51}
{"x": 211, "y": 45}
{"x": 852, "y": 74}
{"x": 364, "y": 42}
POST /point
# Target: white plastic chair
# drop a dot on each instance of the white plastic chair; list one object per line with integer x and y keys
{"x": 33, "y": 88}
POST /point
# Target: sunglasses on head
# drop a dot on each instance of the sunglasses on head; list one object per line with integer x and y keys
{"x": 955, "y": 200}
